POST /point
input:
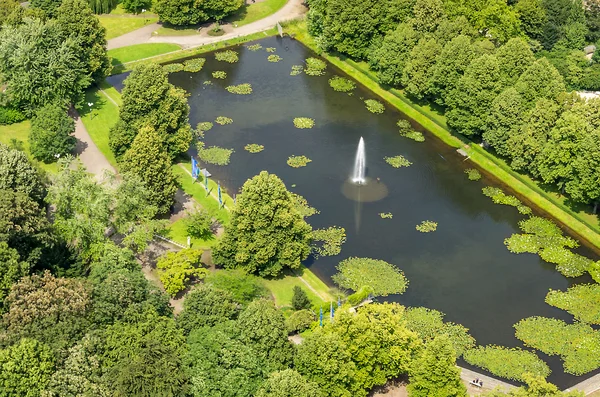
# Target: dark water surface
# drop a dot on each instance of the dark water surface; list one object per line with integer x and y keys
{"x": 463, "y": 269}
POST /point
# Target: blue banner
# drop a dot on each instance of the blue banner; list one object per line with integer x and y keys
{"x": 195, "y": 169}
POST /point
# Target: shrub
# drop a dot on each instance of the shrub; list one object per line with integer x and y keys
{"x": 177, "y": 269}
{"x": 173, "y": 67}
{"x": 199, "y": 224}
{"x": 51, "y": 132}
{"x": 222, "y": 120}
{"x": 386, "y": 215}
{"x": 243, "y": 287}
{"x": 578, "y": 345}
{"x": 304, "y": 122}
{"x": 194, "y": 65}
{"x": 298, "y": 161}
{"x": 360, "y": 295}
{"x": 473, "y": 174}
{"x": 332, "y": 238}
{"x": 374, "y": 106}
{"x": 397, "y": 161}
{"x": 507, "y": 363}
{"x": 240, "y": 89}
{"x": 254, "y": 148}
{"x": 384, "y": 278}
{"x": 429, "y": 323}
{"x": 274, "y": 58}
{"x": 10, "y": 116}
{"x": 296, "y": 70}
{"x": 582, "y": 301}
{"x": 341, "y": 84}
{"x": 215, "y": 155}
{"x": 427, "y": 226}
{"x": 227, "y": 56}
{"x": 300, "y": 299}
{"x": 315, "y": 67}
{"x": 219, "y": 74}
{"x": 254, "y": 47}
{"x": 299, "y": 321}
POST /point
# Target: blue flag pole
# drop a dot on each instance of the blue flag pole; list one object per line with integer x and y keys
{"x": 194, "y": 168}
{"x": 219, "y": 189}
{"x": 321, "y": 318}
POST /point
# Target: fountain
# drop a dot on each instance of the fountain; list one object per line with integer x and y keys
{"x": 358, "y": 175}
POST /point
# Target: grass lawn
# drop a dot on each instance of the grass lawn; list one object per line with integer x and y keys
{"x": 583, "y": 223}
{"x": 177, "y": 231}
{"x": 118, "y": 25}
{"x": 282, "y": 289}
{"x": 197, "y": 191}
{"x": 194, "y": 51}
{"x": 20, "y": 132}
{"x": 253, "y": 12}
{"x": 99, "y": 119}
{"x": 140, "y": 51}
{"x": 119, "y": 10}
{"x": 188, "y": 30}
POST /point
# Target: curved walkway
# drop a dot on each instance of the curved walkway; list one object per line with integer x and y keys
{"x": 92, "y": 158}
{"x": 293, "y": 9}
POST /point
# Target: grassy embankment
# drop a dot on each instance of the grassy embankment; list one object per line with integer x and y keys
{"x": 140, "y": 51}
{"x": 581, "y": 222}
{"x": 244, "y": 16}
{"x": 119, "y": 22}
{"x": 190, "y": 52}
{"x": 19, "y": 132}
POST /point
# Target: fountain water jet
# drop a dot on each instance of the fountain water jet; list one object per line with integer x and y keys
{"x": 358, "y": 174}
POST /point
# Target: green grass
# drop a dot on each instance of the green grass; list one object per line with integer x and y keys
{"x": 119, "y": 10}
{"x": 99, "y": 119}
{"x": 177, "y": 231}
{"x": 140, "y": 51}
{"x": 197, "y": 191}
{"x": 581, "y": 223}
{"x": 177, "y": 30}
{"x": 256, "y": 11}
{"x": 282, "y": 288}
{"x": 118, "y": 25}
{"x": 194, "y": 51}
{"x": 20, "y": 132}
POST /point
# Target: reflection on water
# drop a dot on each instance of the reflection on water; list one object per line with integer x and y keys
{"x": 463, "y": 269}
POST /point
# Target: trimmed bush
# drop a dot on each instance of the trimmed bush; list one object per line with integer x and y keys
{"x": 10, "y": 116}
{"x": 507, "y": 363}
{"x": 299, "y": 321}
{"x": 384, "y": 278}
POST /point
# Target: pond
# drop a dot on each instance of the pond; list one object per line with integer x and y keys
{"x": 463, "y": 269}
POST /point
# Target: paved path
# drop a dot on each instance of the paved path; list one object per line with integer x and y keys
{"x": 291, "y": 10}
{"x": 89, "y": 154}
{"x": 588, "y": 386}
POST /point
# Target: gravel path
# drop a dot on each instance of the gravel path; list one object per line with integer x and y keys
{"x": 89, "y": 154}
{"x": 292, "y": 9}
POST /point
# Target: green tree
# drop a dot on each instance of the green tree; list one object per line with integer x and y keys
{"x": 179, "y": 12}
{"x": 427, "y": 15}
{"x": 76, "y": 21}
{"x": 418, "y": 69}
{"x": 504, "y": 120}
{"x": 469, "y": 103}
{"x": 221, "y": 365}
{"x": 148, "y": 160}
{"x": 390, "y": 58}
{"x": 514, "y": 58}
{"x": 451, "y": 64}
{"x": 51, "y": 132}
{"x": 323, "y": 358}
{"x": 540, "y": 80}
{"x": 177, "y": 269}
{"x": 39, "y": 66}
{"x": 50, "y": 7}
{"x": 288, "y": 383}
{"x": 584, "y": 184}
{"x": 266, "y": 233}
{"x": 497, "y": 20}
{"x": 262, "y": 327}
{"x": 11, "y": 270}
{"x": 25, "y": 368}
{"x": 435, "y": 372}
{"x": 219, "y": 9}
{"x": 149, "y": 100}
{"x": 300, "y": 299}
{"x": 532, "y": 16}
{"x": 18, "y": 174}
{"x": 7, "y": 7}
{"x": 206, "y": 306}
{"x": 136, "y": 6}
{"x": 49, "y": 309}
{"x": 199, "y": 224}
